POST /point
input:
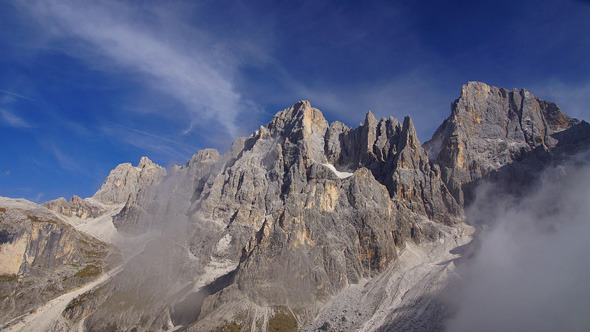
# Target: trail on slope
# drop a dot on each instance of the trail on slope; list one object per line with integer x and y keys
{"x": 49, "y": 316}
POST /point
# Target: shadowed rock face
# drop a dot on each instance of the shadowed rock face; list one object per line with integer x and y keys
{"x": 501, "y": 135}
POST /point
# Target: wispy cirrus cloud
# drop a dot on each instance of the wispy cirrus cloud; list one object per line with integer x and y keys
{"x": 66, "y": 161}
{"x": 10, "y": 119}
{"x": 150, "y": 41}
{"x": 8, "y": 116}
{"x": 144, "y": 133}
{"x": 148, "y": 142}
{"x": 18, "y": 95}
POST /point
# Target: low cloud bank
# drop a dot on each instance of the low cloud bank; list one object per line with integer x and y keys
{"x": 531, "y": 269}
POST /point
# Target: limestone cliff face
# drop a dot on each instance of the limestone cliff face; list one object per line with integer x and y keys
{"x": 126, "y": 180}
{"x": 300, "y": 209}
{"x": 499, "y": 134}
{"x": 162, "y": 200}
{"x": 122, "y": 186}
{"x": 392, "y": 152}
{"x": 76, "y": 207}
{"x": 41, "y": 257}
{"x": 281, "y": 188}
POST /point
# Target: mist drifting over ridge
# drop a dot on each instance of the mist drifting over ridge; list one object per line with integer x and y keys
{"x": 531, "y": 266}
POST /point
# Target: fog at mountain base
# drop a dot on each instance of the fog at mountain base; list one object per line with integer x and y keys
{"x": 531, "y": 269}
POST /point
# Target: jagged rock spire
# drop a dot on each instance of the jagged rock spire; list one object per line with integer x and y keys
{"x": 298, "y": 121}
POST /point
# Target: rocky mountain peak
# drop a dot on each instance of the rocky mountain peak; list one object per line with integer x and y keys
{"x": 473, "y": 88}
{"x": 490, "y": 128}
{"x": 298, "y": 122}
{"x": 409, "y": 135}
{"x": 145, "y": 162}
{"x": 76, "y": 199}
{"x": 480, "y": 103}
{"x": 126, "y": 180}
{"x": 370, "y": 119}
{"x": 369, "y": 132}
{"x": 292, "y": 215}
{"x": 205, "y": 155}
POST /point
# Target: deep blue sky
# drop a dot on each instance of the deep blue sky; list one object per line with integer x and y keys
{"x": 84, "y": 87}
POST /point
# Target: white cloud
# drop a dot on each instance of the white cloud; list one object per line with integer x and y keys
{"x": 531, "y": 270}
{"x": 10, "y": 119}
{"x": 175, "y": 61}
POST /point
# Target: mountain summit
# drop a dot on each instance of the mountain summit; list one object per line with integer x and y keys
{"x": 289, "y": 227}
{"x": 501, "y": 134}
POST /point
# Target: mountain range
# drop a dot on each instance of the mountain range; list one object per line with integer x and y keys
{"x": 303, "y": 225}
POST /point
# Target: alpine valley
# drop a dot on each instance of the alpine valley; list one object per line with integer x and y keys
{"x": 302, "y": 226}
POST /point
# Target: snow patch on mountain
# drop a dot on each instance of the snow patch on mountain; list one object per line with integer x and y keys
{"x": 340, "y": 174}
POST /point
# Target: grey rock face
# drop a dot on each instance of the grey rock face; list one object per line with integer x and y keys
{"x": 126, "y": 180}
{"x": 503, "y": 135}
{"x": 396, "y": 159}
{"x": 76, "y": 207}
{"x": 154, "y": 203}
{"x": 299, "y": 232}
{"x": 42, "y": 257}
{"x": 300, "y": 210}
